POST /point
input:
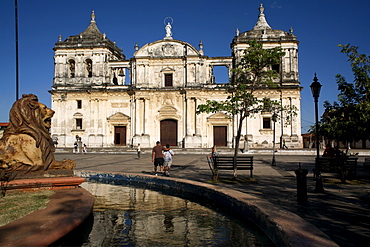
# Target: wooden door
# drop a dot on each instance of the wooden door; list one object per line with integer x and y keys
{"x": 169, "y": 132}
{"x": 120, "y": 135}
{"x": 220, "y": 135}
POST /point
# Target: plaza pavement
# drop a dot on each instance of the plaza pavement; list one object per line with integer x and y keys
{"x": 341, "y": 212}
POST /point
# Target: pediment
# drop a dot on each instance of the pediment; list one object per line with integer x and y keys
{"x": 219, "y": 118}
{"x": 118, "y": 116}
{"x": 167, "y": 69}
{"x": 167, "y": 110}
{"x": 218, "y": 115}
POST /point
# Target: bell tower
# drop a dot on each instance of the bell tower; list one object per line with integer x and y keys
{"x": 287, "y": 89}
{"x": 270, "y": 38}
{"x": 82, "y": 60}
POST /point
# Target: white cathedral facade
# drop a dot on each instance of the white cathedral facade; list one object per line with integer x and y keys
{"x": 109, "y": 100}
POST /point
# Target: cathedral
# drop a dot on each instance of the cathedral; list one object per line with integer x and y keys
{"x": 105, "y": 99}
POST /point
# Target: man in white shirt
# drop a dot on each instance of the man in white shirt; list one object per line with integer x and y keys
{"x": 168, "y": 153}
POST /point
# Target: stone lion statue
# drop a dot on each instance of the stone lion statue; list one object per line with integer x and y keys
{"x": 26, "y": 144}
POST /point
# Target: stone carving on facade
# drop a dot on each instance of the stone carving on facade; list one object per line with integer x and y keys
{"x": 119, "y": 105}
{"x": 168, "y": 99}
{"x": 168, "y": 49}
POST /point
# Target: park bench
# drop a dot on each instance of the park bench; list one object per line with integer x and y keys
{"x": 231, "y": 163}
{"x": 344, "y": 166}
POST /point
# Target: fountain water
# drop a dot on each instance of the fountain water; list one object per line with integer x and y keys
{"x": 134, "y": 216}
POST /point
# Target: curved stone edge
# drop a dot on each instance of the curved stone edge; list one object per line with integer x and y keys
{"x": 284, "y": 228}
{"x": 67, "y": 209}
{"x": 52, "y": 183}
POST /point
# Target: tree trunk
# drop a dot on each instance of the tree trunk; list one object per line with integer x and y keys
{"x": 237, "y": 139}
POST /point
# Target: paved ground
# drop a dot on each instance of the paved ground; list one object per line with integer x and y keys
{"x": 342, "y": 211}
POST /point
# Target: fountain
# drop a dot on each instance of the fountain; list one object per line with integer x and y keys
{"x": 137, "y": 216}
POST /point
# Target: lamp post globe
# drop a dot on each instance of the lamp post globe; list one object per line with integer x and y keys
{"x": 315, "y": 88}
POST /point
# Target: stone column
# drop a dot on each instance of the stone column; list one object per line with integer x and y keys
{"x": 57, "y": 68}
{"x": 102, "y": 128}
{"x": 190, "y": 117}
{"x": 197, "y": 124}
{"x": 145, "y": 115}
{"x": 184, "y": 116}
{"x": 193, "y": 135}
{"x": 133, "y": 115}
{"x": 293, "y": 101}
{"x": 285, "y": 132}
{"x": 95, "y": 107}
{"x": 138, "y": 115}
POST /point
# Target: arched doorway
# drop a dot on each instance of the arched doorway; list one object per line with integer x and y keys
{"x": 169, "y": 132}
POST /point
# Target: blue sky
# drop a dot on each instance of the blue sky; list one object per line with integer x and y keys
{"x": 320, "y": 26}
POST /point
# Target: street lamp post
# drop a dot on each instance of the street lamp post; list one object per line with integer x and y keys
{"x": 16, "y": 52}
{"x": 315, "y": 89}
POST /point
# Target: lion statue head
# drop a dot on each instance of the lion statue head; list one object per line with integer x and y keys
{"x": 27, "y": 141}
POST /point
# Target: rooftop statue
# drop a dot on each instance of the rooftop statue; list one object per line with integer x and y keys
{"x": 168, "y": 30}
{"x": 26, "y": 146}
{"x": 168, "y": 22}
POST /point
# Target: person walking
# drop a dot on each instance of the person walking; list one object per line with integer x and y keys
{"x": 213, "y": 153}
{"x": 284, "y": 145}
{"x": 84, "y": 149}
{"x": 138, "y": 149}
{"x": 157, "y": 157}
{"x": 168, "y": 153}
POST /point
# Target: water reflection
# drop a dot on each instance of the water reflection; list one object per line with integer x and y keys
{"x": 129, "y": 216}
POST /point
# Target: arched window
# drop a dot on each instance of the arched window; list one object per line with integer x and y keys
{"x": 72, "y": 68}
{"x": 115, "y": 80}
{"x": 89, "y": 67}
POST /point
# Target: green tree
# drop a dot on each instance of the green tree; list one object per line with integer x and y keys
{"x": 276, "y": 109}
{"x": 348, "y": 119}
{"x": 253, "y": 71}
